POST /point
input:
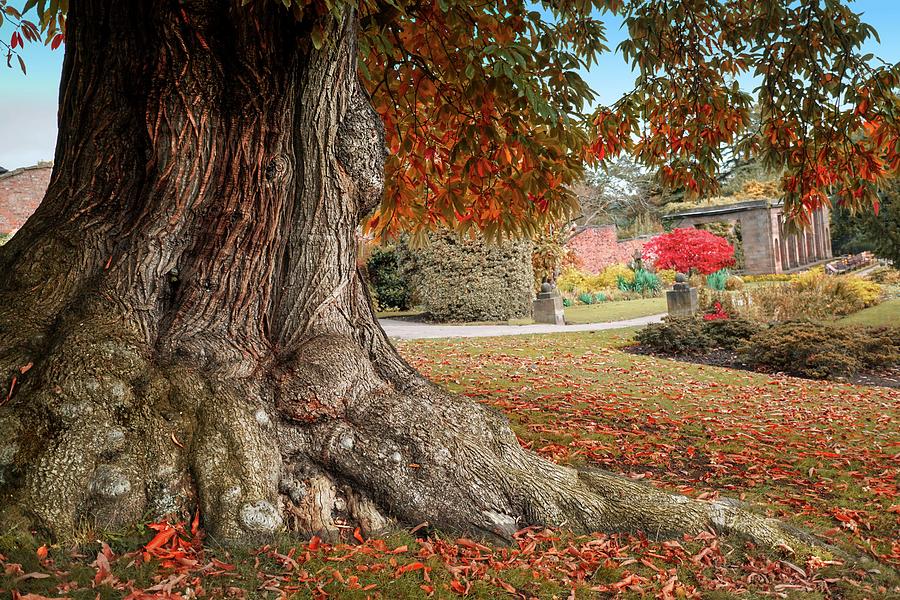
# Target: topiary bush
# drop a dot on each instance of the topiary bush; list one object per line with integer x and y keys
{"x": 388, "y": 279}
{"x": 821, "y": 351}
{"x": 680, "y": 335}
{"x": 729, "y": 334}
{"x": 468, "y": 279}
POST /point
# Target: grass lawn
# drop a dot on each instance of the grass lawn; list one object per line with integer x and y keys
{"x": 604, "y": 312}
{"x": 819, "y": 455}
{"x": 886, "y": 313}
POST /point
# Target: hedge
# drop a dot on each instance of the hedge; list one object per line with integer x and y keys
{"x": 467, "y": 279}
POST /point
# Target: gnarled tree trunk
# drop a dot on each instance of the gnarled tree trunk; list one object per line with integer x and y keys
{"x": 188, "y": 296}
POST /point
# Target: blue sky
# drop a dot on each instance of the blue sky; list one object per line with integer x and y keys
{"x": 28, "y": 102}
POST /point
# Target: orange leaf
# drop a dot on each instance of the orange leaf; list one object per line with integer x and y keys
{"x": 414, "y": 566}
{"x": 160, "y": 539}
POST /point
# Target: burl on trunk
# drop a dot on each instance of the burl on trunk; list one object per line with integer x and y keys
{"x": 199, "y": 334}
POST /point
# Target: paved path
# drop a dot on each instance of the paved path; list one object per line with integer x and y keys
{"x": 411, "y": 330}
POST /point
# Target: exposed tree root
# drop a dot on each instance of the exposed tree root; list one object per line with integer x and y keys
{"x": 318, "y": 445}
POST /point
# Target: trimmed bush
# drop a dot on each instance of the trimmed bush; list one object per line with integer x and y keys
{"x": 467, "y": 279}
{"x": 681, "y": 335}
{"x": 690, "y": 335}
{"x": 821, "y": 351}
{"x": 729, "y": 334}
{"x": 387, "y": 279}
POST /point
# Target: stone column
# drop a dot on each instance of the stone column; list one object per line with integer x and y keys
{"x": 820, "y": 234}
{"x": 785, "y": 255}
{"x": 792, "y": 246}
{"x": 802, "y": 258}
{"x": 811, "y": 244}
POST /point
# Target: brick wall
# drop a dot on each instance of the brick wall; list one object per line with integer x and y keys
{"x": 598, "y": 247}
{"x": 21, "y": 191}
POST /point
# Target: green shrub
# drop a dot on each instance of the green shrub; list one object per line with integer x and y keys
{"x": 729, "y": 334}
{"x": 567, "y": 302}
{"x": 586, "y": 298}
{"x": 821, "y": 351}
{"x": 718, "y": 279}
{"x": 600, "y": 297}
{"x": 468, "y": 279}
{"x": 388, "y": 280}
{"x": 682, "y": 335}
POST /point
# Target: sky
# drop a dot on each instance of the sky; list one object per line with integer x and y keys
{"x": 28, "y": 102}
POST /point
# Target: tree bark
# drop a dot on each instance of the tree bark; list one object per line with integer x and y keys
{"x": 198, "y": 332}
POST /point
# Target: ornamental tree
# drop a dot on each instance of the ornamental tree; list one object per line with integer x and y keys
{"x": 689, "y": 250}
{"x": 183, "y": 322}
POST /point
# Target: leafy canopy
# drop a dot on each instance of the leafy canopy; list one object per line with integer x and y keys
{"x": 690, "y": 250}
{"x": 489, "y": 120}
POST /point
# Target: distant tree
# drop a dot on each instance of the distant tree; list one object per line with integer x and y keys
{"x": 690, "y": 250}
{"x": 878, "y": 232}
{"x": 618, "y": 193}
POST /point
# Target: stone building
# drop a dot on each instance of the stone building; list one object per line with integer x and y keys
{"x": 21, "y": 190}
{"x": 768, "y": 247}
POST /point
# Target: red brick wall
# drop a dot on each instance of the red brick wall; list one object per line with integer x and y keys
{"x": 597, "y": 247}
{"x": 20, "y": 193}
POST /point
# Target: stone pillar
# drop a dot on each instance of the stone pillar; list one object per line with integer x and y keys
{"x": 820, "y": 234}
{"x": 826, "y": 221}
{"x": 802, "y": 258}
{"x": 548, "y": 306}
{"x": 811, "y": 244}
{"x": 682, "y": 298}
{"x": 795, "y": 253}
{"x": 783, "y": 240}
